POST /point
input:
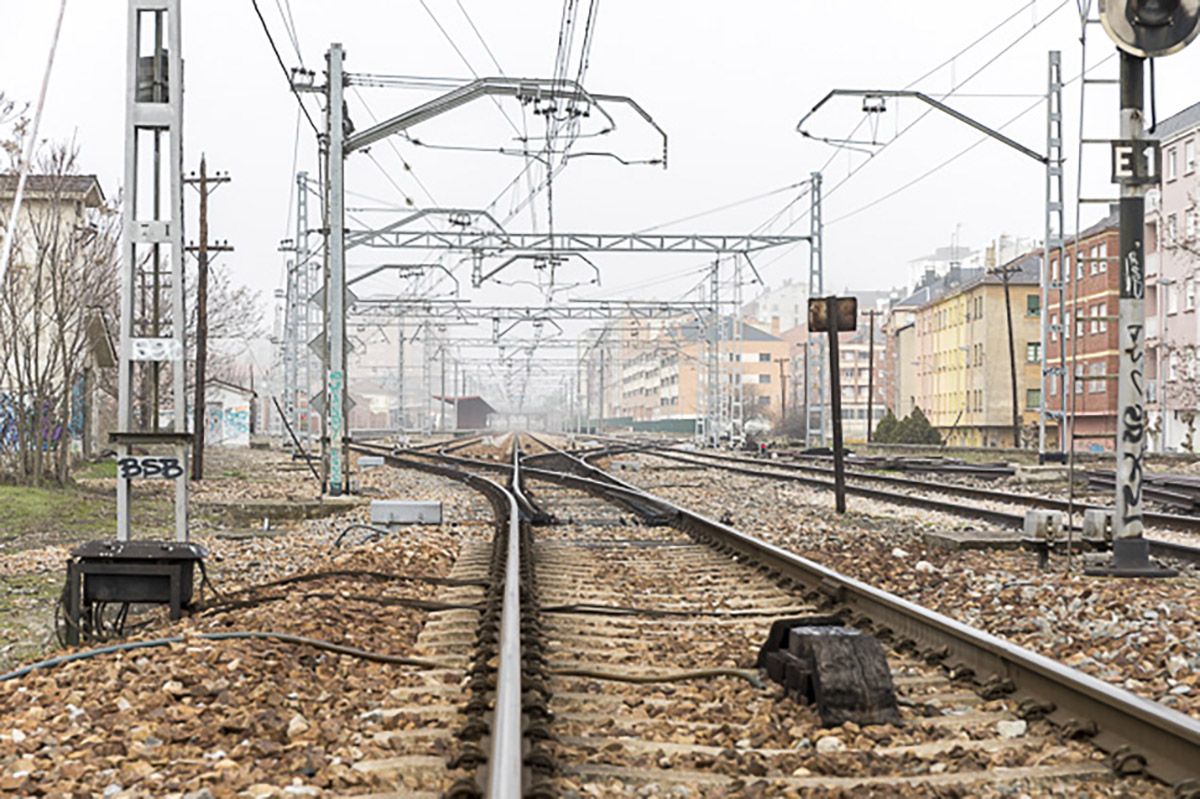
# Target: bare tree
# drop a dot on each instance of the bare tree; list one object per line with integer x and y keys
{"x": 64, "y": 264}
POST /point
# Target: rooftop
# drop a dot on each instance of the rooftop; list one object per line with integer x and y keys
{"x": 82, "y": 187}
{"x": 1185, "y": 120}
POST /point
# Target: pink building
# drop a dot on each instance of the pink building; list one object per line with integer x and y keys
{"x": 1172, "y": 263}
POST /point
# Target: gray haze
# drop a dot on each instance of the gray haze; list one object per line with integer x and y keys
{"x": 728, "y": 81}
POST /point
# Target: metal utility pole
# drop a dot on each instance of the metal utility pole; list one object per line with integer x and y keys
{"x": 1055, "y": 240}
{"x": 816, "y": 287}
{"x": 713, "y": 403}
{"x": 337, "y": 455}
{"x": 871, "y": 373}
{"x": 400, "y": 417}
{"x": 206, "y": 185}
{"x": 1141, "y": 29}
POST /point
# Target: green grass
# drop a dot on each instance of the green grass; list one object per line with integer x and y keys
{"x": 98, "y": 470}
{"x": 31, "y": 517}
{"x": 27, "y": 615}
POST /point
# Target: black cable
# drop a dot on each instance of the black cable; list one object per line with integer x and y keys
{"x": 286, "y": 75}
{"x": 1153, "y": 101}
{"x": 385, "y": 601}
{"x": 285, "y": 638}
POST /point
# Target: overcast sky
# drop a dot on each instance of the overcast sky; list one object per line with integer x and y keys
{"x": 728, "y": 82}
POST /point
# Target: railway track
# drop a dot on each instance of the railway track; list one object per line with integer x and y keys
{"x": 604, "y": 602}
{"x": 903, "y": 490}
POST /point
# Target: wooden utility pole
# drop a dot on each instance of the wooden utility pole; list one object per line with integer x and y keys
{"x": 871, "y": 374}
{"x": 1005, "y": 272}
{"x": 206, "y": 186}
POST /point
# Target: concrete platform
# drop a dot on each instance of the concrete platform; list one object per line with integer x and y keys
{"x": 972, "y": 539}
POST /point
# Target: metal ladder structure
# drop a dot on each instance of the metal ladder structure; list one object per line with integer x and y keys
{"x": 1053, "y": 377}
{"x": 152, "y": 335}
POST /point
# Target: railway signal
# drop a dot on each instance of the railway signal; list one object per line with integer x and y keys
{"x": 833, "y": 315}
{"x": 1141, "y": 29}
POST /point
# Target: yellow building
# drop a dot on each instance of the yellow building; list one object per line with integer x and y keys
{"x": 963, "y": 367}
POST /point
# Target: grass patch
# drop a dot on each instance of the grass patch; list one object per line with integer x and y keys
{"x": 97, "y": 471}
{"x": 27, "y": 616}
{"x": 32, "y": 517}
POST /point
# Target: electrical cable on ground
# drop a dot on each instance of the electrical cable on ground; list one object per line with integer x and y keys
{"x": 240, "y": 635}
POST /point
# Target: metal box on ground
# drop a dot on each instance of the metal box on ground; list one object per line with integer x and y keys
{"x": 370, "y": 461}
{"x": 398, "y": 511}
{"x": 151, "y": 572}
{"x": 1098, "y": 524}
{"x": 1044, "y": 524}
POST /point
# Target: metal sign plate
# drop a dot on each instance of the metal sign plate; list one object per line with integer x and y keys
{"x": 845, "y": 313}
{"x": 1136, "y": 162}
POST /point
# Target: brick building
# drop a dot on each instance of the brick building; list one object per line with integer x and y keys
{"x": 1089, "y": 333}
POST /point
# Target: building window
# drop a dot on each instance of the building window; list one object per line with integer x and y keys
{"x": 1053, "y": 382}
{"x": 1079, "y": 324}
{"x": 1094, "y": 371}
{"x": 1054, "y": 270}
{"x": 1053, "y": 326}
{"x": 1103, "y": 262}
{"x": 1099, "y": 324}
{"x": 1033, "y": 352}
{"x": 1033, "y": 398}
{"x": 1078, "y": 380}
{"x": 1172, "y": 299}
{"x": 1079, "y": 259}
{"x": 1033, "y": 304}
{"x": 764, "y": 400}
{"x": 1173, "y": 366}
{"x": 1189, "y": 294}
{"x": 1189, "y": 224}
{"x": 1189, "y": 156}
{"x": 1094, "y": 260}
{"x": 1067, "y": 263}
{"x": 1172, "y": 164}
{"x": 764, "y": 357}
{"x": 1172, "y": 228}
{"x": 764, "y": 378}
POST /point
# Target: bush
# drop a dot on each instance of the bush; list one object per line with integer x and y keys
{"x": 916, "y": 429}
{"x": 886, "y": 431}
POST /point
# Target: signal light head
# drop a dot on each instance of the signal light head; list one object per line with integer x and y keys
{"x": 1151, "y": 28}
{"x": 1152, "y": 13}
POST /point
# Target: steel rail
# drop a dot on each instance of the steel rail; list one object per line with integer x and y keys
{"x": 505, "y": 764}
{"x": 1127, "y": 725}
{"x": 1158, "y": 547}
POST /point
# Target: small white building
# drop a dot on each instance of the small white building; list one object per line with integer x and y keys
{"x": 228, "y": 414}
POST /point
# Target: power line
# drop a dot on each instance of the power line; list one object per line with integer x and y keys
{"x": 479, "y": 36}
{"x": 467, "y": 62}
{"x": 289, "y": 25}
{"x": 726, "y": 207}
{"x": 391, "y": 143}
{"x": 283, "y": 68}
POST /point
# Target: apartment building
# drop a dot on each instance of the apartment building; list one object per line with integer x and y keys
{"x": 1172, "y": 262}
{"x": 1087, "y": 332}
{"x": 963, "y": 366}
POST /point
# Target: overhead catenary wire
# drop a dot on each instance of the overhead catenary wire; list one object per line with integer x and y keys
{"x": 467, "y": 62}
{"x": 283, "y": 67}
